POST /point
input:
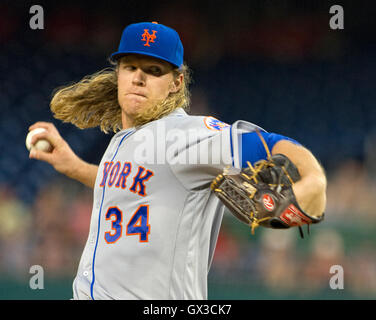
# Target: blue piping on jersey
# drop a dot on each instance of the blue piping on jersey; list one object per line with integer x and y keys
{"x": 99, "y": 220}
{"x": 232, "y": 151}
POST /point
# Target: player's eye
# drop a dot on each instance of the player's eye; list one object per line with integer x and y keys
{"x": 129, "y": 67}
{"x": 155, "y": 70}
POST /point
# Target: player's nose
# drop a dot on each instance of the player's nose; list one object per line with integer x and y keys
{"x": 139, "y": 77}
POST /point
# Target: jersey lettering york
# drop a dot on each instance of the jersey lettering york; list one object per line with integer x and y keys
{"x": 112, "y": 174}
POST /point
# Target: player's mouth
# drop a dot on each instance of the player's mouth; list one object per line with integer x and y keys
{"x": 137, "y": 94}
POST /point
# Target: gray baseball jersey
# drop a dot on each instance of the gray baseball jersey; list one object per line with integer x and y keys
{"x": 155, "y": 222}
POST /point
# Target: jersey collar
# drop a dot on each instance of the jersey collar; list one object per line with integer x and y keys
{"x": 179, "y": 112}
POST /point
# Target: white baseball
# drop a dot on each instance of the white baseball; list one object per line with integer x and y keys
{"x": 41, "y": 144}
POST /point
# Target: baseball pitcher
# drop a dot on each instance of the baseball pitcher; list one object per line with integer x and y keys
{"x": 163, "y": 183}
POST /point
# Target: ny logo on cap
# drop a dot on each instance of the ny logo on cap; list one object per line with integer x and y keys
{"x": 146, "y": 36}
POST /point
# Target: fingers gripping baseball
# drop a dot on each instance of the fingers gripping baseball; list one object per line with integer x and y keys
{"x": 61, "y": 156}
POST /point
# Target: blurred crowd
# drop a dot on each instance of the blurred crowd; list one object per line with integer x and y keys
{"x": 52, "y": 231}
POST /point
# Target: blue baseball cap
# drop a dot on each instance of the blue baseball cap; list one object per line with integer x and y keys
{"x": 151, "y": 39}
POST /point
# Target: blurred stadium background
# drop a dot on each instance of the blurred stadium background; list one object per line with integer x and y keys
{"x": 274, "y": 63}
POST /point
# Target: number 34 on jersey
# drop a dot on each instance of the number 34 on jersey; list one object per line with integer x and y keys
{"x": 137, "y": 225}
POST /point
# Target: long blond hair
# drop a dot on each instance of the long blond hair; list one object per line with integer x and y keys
{"x": 93, "y": 101}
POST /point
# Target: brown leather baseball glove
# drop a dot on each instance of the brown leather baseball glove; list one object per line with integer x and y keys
{"x": 262, "y": 195}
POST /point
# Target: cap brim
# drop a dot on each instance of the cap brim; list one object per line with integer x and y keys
{"x": 119, "y": 54}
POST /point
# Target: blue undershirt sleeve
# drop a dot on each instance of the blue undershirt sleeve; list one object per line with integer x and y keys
{"x": 253, "y": 148}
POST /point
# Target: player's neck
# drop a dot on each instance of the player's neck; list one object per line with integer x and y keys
{"x": 126, "y": 121}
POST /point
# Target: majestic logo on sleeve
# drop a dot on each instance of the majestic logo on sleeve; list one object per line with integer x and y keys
{"x": 214, "y": 124}
{"x": 147, "y": 37}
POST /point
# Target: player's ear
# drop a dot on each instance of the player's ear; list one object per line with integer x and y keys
{"x": 177, "y": 83}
